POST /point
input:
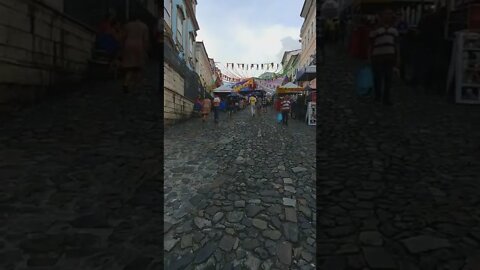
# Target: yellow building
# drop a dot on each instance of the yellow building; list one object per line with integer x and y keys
{"x": 203, "y": 66}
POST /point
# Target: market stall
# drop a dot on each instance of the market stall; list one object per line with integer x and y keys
{"x": 223, "y": 91}
{"x": 289, "y": 88}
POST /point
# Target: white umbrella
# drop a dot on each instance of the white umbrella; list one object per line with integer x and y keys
{"x": 223, "y": 89}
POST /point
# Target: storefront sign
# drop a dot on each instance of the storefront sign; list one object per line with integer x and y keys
{"x": 312, "y": 114}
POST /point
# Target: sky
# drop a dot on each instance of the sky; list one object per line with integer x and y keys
{"x": 249, "y": 31}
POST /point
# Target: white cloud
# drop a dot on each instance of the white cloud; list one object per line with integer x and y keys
{"x": 245, "y": 42}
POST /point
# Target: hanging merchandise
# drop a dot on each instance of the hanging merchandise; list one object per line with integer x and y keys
{"x": 464, "y": 71}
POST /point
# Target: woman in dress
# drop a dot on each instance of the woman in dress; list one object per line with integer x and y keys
{"x": 135, "y": 48}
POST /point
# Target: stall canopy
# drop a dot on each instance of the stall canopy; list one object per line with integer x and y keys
{"x": 223, "y": 89}
{"x": 289, "y": 88}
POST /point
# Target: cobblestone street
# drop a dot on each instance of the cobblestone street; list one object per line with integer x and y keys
{"x": 81, "y": 181}
{"x": 398, "y": 186}
{"x": 240, "y": 194}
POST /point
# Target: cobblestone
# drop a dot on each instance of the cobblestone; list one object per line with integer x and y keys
{"x": 396, "y": 183}
{"x": 245, "y": 199}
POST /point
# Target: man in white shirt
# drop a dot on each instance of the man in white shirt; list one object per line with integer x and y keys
{"x": 384, "y": 55}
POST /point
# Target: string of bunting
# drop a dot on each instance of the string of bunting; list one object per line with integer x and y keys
{"x": 266, "y": 66}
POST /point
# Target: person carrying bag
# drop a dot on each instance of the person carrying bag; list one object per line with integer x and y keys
{"x": 364, "y": 81}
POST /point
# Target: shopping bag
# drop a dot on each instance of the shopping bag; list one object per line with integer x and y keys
{"x": 364, "y": 83}
{"x": 279, "y": 117}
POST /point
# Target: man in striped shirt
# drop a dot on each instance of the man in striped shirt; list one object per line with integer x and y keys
{"x": 285, "y": 106}
{"x": 384, "y": 55}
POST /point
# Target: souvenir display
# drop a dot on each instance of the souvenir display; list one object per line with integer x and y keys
{"x": 465, "y": 68}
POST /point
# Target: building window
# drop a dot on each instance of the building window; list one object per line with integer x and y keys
{"x": 168, "y": 12}
{"x": 192, "y": 43}
{"x": 180, "y": 20}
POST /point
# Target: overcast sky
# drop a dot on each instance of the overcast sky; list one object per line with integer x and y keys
{"x": 249, "y": 31}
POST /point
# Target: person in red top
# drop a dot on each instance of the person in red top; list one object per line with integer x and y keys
{"x": 277, "y": 104}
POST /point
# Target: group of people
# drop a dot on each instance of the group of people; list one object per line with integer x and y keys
{"x": 418, "y": 55}
{"x": 257, "y": 104}
{"x": 127, "y": 45}
{"x": 206, "y": 105}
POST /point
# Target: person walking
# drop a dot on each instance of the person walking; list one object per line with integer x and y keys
{"x": 230, "y": 105}
{"x": 253, "y": 101}
{"x": 206, "y": 108}
{"x": 216, "y": 108}
{"x": 285, "y": 106}
{"x": 135, "y": 49}
{"x": 258, "y": 105}
{"x": 197, "y": 106}
{"x": 264, "y": 104}
{"x": 293, "y": 108}
{"x": 384, "y": 56}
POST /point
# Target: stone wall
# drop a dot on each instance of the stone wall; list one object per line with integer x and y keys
{"x": 40, "y": 48}
{"x": 176, "y": 106}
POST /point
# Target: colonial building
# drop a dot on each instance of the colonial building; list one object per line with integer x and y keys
{"x": 203, "y": 67}
{"x": 290, "y": 62}
{"x": 217, "y": 76}
{"x": 181, "y": 82}
{"x": 308, "y": 34}
{"x": 307, "y": 59}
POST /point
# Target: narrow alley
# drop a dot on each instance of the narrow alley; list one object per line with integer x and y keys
{"x": 240, "y": 194}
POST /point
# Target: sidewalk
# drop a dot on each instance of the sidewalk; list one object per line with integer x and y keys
{"x": 399, "y": 185}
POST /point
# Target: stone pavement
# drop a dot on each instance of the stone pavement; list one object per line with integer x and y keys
{"x": 398, "y": 186}
{"x": 240, "y": 194}
{"x": 80, "y": 184}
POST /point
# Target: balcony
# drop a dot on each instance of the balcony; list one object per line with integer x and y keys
{"x": 307, "y": 73}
